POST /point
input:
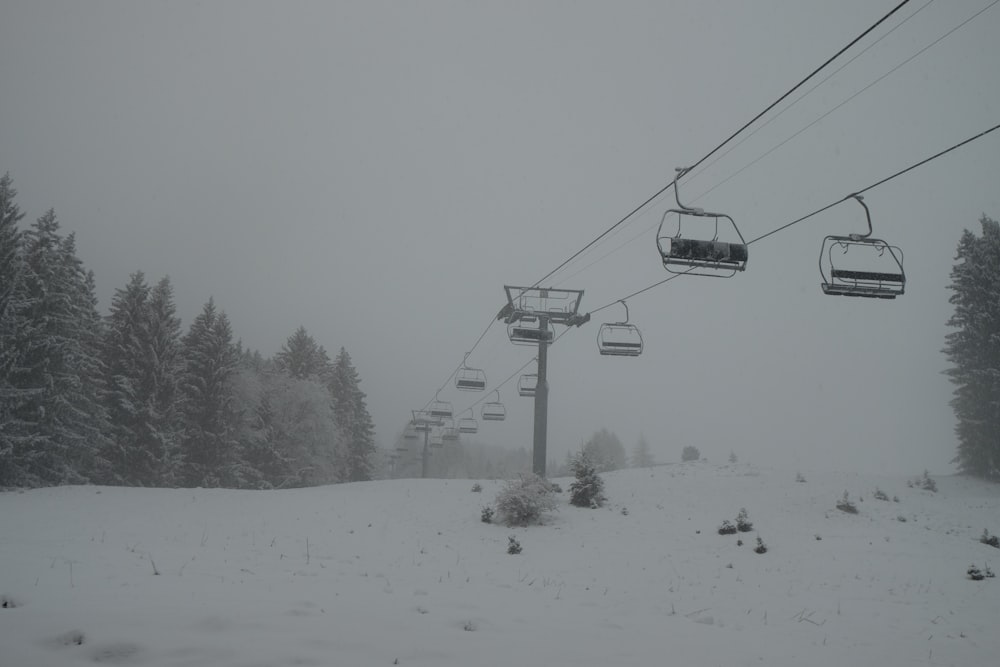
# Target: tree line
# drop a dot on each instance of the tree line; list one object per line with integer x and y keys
{"x": 131, "y": 399}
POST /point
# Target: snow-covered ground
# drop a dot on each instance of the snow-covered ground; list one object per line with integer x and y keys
{"x": 404, "y": 572}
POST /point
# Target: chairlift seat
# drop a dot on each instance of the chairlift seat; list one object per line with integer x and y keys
{"x": 867, "y": 276}
{"x": 695, "y": 252}
{"x": 494, "y": 412}
{"x": 440, "y": 409}
{"x": 530, "y": 335}
{"x": 470, "y": 384}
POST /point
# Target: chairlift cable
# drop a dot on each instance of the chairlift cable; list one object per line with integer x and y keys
{"x": 803, "y": 129}
{"x": 698, "y": 163}
{"x": 824, "y": 208}
{"x": 806, "y": 94}
{"x": 727, "y": 140}
{"x": 863, "y": 90}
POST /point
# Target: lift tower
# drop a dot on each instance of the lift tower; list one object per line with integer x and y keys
{"x": 531, "y": 313}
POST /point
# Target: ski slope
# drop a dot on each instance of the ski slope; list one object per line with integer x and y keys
{"x": 405, "y": 572}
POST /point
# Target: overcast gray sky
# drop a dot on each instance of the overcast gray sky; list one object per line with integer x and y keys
{"x": 377, "y": 171}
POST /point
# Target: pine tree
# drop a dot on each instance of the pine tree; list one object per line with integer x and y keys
{"x": 605, "y": 451}
{"x": 141, "y": 355}
{"x": 641, "y": 456}
{"x": 587, "y": 490}
{"x": 974, "y": 350}
{"x": 209, "y": 448}
{"x": 164, "y": 367}
{"x": 56, "y": 429}
{"x": 10, "y": 316}
{"x": 351, "y": 414}
{"x": 301, "y": 358}
{"x": 124, "y": 353}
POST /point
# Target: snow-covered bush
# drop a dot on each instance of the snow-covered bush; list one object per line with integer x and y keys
{"x": 845, "y": 505}
{"x": 587, "y": 490}
{"x": 477, "y": 488}
{"x": 976, "y": 574}
{"x": 727, "y": 528}
{"x": 761, "y": 548}
{"x": 523, "y": 500}
{"x": 486, "y": 516}
{"x": 799, "y": 477}
{"x": 880, "y": 494}
{"x": 927, "y": 483}
{"x": 743, "y": 523}
{"x": 690, "y": 453}
{"x": 991, "y": 540}
{"x": 513, "y": 546}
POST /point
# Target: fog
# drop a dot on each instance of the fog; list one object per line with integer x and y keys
{"x": 378, "y": 171}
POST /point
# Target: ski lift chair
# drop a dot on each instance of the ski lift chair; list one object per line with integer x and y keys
{"x": 468, "y": 424}
{"x": 470, "y": 379}
{"x": 522, "y": 329}
{"x": 422, "y": 421}
{"x": 701, "y": 256}
{"x": 494, "y": 411}
{"x": 527, "y": 384}
{"x": 619, "y": 339}
{"x": 439, "y": 408}
{"x": 876, "y": 272}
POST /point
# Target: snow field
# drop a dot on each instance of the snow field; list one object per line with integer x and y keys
{"x": 404, "y": 572}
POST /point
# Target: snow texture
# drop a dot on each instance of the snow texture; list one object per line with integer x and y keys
{"x": 405, "y": 572}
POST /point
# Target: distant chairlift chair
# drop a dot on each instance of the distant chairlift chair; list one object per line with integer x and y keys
{"x": 619, "y": 339}
{"x": 700, "y": 257}
{"x": 494, "y": 411}
{"x": 527, "y": 384}
{"x": 522, "y": 329}
{"x": 470, "y": 379}
{"x": 842, "y": 279}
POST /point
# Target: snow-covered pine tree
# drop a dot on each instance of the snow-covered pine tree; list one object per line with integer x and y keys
{"x": 57, "y": 429}
{"x": 353, "y": 419}
{"x": 164, "y": 367}
{"x": 587, "y": 490}
{"x": 301, "y": 358}
{"x": 124, "y": 351}
{"x": 10, "y": 287}
{"x": 974, "y": 350}
{"x": 209, "y": 447}
{"x": 141, "y": 360}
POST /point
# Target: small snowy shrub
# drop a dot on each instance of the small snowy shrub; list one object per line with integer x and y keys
{"x": 991, "y": 540}
{"x": 743, "y": 523}
{"x": 761, "y": 548}
{"x": 477, "y": 488}
{"x": 975, "y": 573}
{"x": 555, "y": 488}
{"x": 880, "y": 494}
{"x": 624, "y": 511}
{"x": 732, "y": 457}
{"x": 513, "y": 546}
{"x": 928, "y": 484}
{"x": 486, "y": 516}
{"x": 587, "y": 490}
{"x": 690, "y": 453}
{"x": 523, "y": 500}
{"x": 799, "y": 477}
{"x": 845, "y": 505}
{"x": 727, "y": 528}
